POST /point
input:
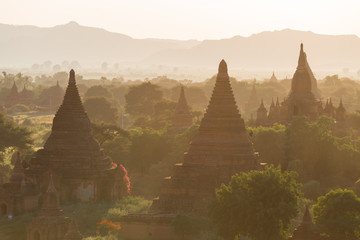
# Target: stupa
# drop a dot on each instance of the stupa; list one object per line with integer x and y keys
{"x": 182, "y": 116}
{"x": 50, "y": 222}
{"x": 82, "y": 172}
{"x": 220, "y": 149}
{"x": 18, "y": 196}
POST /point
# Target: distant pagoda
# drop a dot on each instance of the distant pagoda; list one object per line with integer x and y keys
{"x": 273, "y": 78}
{"x": 306, "y": 230}
{"x": 13, "y": 97}
{"x": 220, "y": 149}
{"x": 303, "y": 99}
{"x": 81, "y": 170}
{"x": 182, "y": 116}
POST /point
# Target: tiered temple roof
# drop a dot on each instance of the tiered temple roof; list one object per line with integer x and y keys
{"x": 73, "y": 154}
{"x": 301, "y": 99}
{"x": 182, "y": 115}
{"x": 220, "y": 149}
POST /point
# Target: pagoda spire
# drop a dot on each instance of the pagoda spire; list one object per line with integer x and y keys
{"x": 73, "y": 230}
{"x": 302, "y": 58}
{"x": 222, "y": 109}
{"x": 220, "y": 148}
{"x": 306, "y": 229}
{"x": 51, "y": 202}
{"x": 182, "y": 116}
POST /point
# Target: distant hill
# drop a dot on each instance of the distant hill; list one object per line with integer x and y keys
{"x": 25, "y": 45}
{"x": 270, "y": 50}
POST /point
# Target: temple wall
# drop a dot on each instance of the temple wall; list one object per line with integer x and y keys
{"x": 148, "y": 231}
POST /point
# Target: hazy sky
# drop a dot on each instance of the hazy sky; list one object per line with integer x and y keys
{"x": 189, "y": 19}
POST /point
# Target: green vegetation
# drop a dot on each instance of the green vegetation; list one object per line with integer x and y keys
{"x": 258, "y": 204}
{"x": 100, "y": 109}
{"x": 337, "y": 215}
{"x": 312, "y": 149}
{"x": 87, "y": 216}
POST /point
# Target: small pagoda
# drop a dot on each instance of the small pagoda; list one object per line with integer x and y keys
{"x": 82, "y": 172}
{"x": 306, "y": 230}
{"x": 182, "y": 117}
{"x": 18, "y": 196}
{"x": 13, "y": 97}
{"x": 220, "y": 149}
{"x": 50, "y": 222}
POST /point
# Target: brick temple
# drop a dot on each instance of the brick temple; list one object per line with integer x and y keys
{"x": 220, "y": 149}
{"x": 302, "y": 100}
{"x": 82, "y": 172}
{"x": 182, "y": 117}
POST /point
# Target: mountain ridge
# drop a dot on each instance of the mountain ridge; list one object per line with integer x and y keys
{"x": 24, "y": 45}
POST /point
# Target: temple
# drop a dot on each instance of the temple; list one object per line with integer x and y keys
{"x": 50, "y": 222}
{"x": 13, "y": 97}
{"x": 73, "y": 230}
{"x": 182, "y": 117}
{"x": 305, "y": 231}
{"x": 273, "y": 78}
{"x": 81, "y": 171}
{"x": 18, "y": 196}
{"x": 220, "y": 149}
{"x": 303, "y": 99}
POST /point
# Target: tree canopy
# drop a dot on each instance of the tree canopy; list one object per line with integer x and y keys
{"x": 337, "y": 214}
{"x": 13, "y": 135}
{"x": 100, "y": 109}
{"x": 258, "y": 204}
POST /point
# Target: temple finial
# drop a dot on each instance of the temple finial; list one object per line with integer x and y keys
{"x": 223, "y": 67}
{"x": 302, "y": 47}
{"x": 72, "y": 76}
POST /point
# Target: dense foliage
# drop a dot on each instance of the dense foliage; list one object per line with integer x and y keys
{"x": 313, "y": 150}
{"x": 258, "y": 204}
{"x": 337, "y": 214}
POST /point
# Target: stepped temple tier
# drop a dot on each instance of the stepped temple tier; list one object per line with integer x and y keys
{"x": 182, "y": 117}
{"x": 303, "y": 99}
{"x": 220, "y": 149}
{"x": 81, "y": 170}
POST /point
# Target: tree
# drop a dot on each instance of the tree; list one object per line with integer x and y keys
{"x": 270, "y": 143}
{"x": 258, "y": 204}
{"x": 98, "y": 91}
{"x": 12, "y": 135}
{"x": 148, "y": 146}
{"x": 337, "y": 214}
{"x": 140, "y": 99}
{"x": 100, "y": 109}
